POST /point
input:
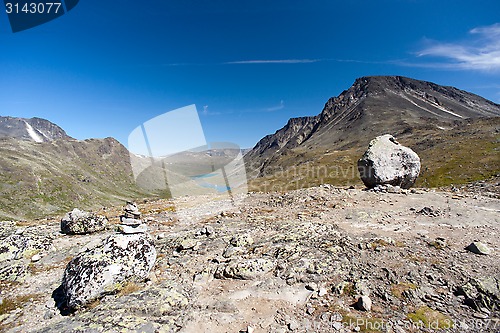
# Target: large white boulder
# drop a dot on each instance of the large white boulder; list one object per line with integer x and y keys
{"x": 388, "y": 162}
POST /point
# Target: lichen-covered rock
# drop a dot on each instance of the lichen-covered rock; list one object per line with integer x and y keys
{"x": 20, "y": 245}
{"x": 388, "y": 162}
{"x": 78, "y": 222}
{"x": 99, "y": 271}
{"x": 24, "y": 243}
{"x": 241, "y": 240}
{"x": 158, "y": 301}
{"x": 162, "y": 308}
{"x": 13, "y": 270}
{"x": 7, "y": 228}
{"x": 249, "y": 269}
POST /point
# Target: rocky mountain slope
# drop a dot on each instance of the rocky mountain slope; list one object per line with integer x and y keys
{"x": 417, "y": 113}
{"x": 34, "y": 129}
{"x": 321, "y": 259}
{"x": 38, "y": 179}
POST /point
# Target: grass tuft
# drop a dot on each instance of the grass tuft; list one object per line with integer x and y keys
{"x": 9, "y": 304}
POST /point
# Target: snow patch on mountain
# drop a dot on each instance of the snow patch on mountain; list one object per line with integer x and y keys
{"x": 32, "y": 133}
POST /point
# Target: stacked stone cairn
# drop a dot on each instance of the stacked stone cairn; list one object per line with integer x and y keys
{"x": 130, "y": 221}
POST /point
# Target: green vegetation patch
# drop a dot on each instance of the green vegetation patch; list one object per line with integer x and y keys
{"x": 365, "y": 324}
{"x": 428, "y": 318}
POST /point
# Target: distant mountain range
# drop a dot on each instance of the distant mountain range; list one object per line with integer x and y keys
{"x": 43, "y": 171}
{"x": 425, "y": 115}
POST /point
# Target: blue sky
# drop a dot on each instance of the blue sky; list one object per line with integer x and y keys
{"x": 107, "y": 66}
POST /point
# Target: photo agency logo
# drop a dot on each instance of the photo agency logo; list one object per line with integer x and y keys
{"x": 169, "y": 155}
{"x": 26, "y": 14}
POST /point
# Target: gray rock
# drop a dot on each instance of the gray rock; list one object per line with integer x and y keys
{"x": 207, "y": 231}
{"x": 293, "y": 325}
{"x": 131, "y": 211}
{"x": 78, "y": 222}
{"x": 129, "y": 229}
{"x": 388, "y": 162}
{"x": 478, "y": 248}
{"x": 25, "y": 244}
{"x": 312, "y": 286}
{"x": 393, "y": 189}
{"x": 129, "y": 221}
{"x": 233, "y": 250}
{"x": 187, "y": 244}
{"x": 481, "y": 293}
{"x": 364, "y": 303}
{"x": 337, "y": 326}
{"x": 131, "y": 207}
{"x": 325, "y": 316}
{"x": 49, "y": 314}
{"x": 157, "y": 301}
{"x": 430, "y": 211}
{"x": 249, "y": 269}
{"x": 92, "y": 274}
{"x": 241, "y": 240}
{"x": 131, "y": 215}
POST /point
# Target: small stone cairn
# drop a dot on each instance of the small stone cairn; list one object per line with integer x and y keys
{"x": 130, "y": 221}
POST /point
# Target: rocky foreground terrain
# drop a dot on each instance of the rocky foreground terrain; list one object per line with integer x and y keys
{"x": 323, "y": 259}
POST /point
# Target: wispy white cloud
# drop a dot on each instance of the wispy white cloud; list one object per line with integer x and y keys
{"x": 303, "y": 61}
{"x": 481, "y": 51}
{"x": 277, "y": 107}
{"x": 269, "y": 61}
{"x": 278, "y": 61}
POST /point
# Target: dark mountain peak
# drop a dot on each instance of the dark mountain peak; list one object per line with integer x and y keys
{"x": 32, "y": 129}
{"x": 443, "y": 100}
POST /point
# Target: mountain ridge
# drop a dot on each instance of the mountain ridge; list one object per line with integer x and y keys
{"x": 409, "y": 109}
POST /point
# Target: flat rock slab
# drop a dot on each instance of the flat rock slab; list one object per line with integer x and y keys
{"x": 245, "y": 269}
